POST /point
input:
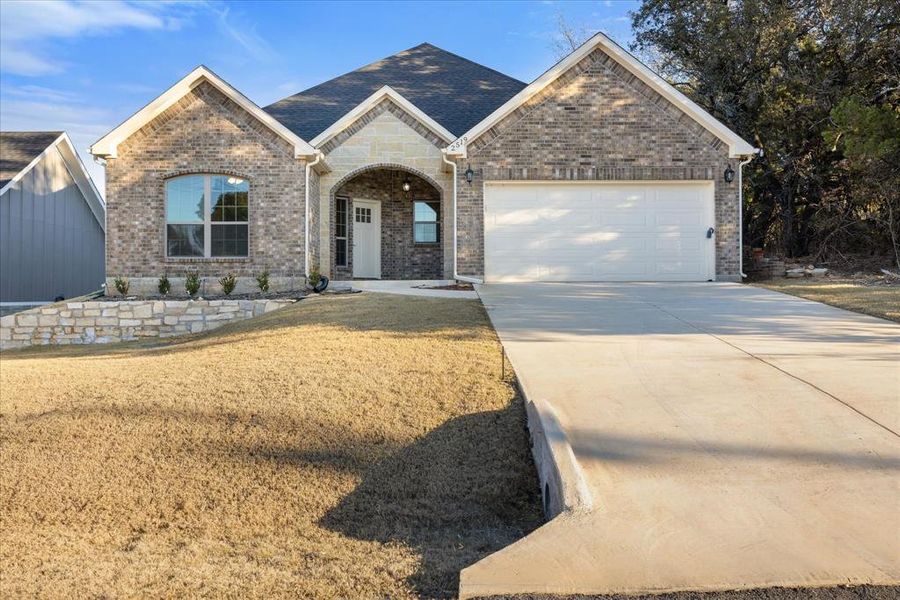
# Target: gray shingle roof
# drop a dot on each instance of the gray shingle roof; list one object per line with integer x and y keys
{"x": 19, "y": 148}
{"x": 454, "y": 91}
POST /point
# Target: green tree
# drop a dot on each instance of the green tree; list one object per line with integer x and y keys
{"x": 774, "y": 71}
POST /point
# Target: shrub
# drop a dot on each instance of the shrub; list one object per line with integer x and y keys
{"x": 192, "y": 283}
{"x": 228, "y": 282}
{"x": 262, "y": 280}
{"x": 314, "y": 277}
{"x": 164, "y": 286}
{"x": 122, "y": 284}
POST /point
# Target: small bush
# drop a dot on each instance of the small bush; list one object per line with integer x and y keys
{"x": 122, "y": 284}
{"x": 262, "y": 280}
{"x": 164, "y": 286}
{"x": 192, "y": 283}
{"x": 228, "y": 282}
{"x": 314, "y": 277}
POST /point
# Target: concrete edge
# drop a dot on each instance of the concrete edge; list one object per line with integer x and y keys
{"x": 564, "y": 488}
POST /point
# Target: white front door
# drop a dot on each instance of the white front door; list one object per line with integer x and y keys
{"x": 613, "y": 231}
{"x": 367, "y": 239}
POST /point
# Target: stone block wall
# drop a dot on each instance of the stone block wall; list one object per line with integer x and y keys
{"x": 100, "y": 322}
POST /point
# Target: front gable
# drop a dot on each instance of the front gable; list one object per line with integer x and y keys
{"x": 600, "y": 50}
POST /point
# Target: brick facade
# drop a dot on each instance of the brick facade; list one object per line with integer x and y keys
{"x": 401, "y": 257}
{"x": 596, "y": 122}
{"x": 204, "y": 132}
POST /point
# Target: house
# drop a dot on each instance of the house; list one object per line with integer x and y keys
{"x": 52, "y": 221}
{"x": 425, "y": 165}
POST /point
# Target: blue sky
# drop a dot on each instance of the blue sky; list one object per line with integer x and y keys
{"x": 85, "y": 66}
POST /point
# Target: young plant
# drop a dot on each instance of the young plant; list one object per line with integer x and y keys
{"x": 122, "y": 284}
{"x": 192, "y": 283}
{"x": 164, "y": 286}
{"x": 314, "y": 277}
{"x": 262, "y": 280}
{"x": 228, "y": 282}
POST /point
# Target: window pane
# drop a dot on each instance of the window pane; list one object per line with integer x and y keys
{"x": 426, "y": 233}
{"x": 184, "y": 199}
{"x": 185, "y": 240}
{"x": 229, "y": 240}
{"x": 426, "y": 211}
{"x": 340, "y": 253}
{"x": 229, "y": 198}
{"x": 340, "y": 218}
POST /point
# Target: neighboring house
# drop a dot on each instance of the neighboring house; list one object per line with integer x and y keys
{"x": 425, "y": 165}
{"x": 52, "y": 221}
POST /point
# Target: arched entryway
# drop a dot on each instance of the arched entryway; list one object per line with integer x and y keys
{"x": 387, "y": 223}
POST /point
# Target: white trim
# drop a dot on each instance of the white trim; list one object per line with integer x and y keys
{"x": 309, "y": 167}
{"x": 76, "y": 170}
{"x": 35, "y": 303}
{"x": 370, "y": 103}
{"x": 456, "y": 274}
{"x": 106, "y": 146}
{"x": 737, "y": 145}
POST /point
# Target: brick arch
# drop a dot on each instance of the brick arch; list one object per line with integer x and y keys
{"x": 389, "y": 167}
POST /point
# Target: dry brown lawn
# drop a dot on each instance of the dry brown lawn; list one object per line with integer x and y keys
{"x": 346, "y": 447}
{"x": 876, "y": 299}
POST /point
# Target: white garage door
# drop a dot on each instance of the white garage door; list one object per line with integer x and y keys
{"x": 599, "y": 232}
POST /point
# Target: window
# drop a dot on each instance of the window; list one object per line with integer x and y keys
{"x": 340, "y": 232}
{"x": 207, "y": 216}
{"x": 426, "y": 220}
{"x": 363, "y": 215}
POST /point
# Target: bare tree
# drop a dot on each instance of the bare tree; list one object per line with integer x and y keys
{"x": 567, "y": 38}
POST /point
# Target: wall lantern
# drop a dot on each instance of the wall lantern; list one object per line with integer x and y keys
{"x": 729, "y": 174}
{"x": 406, "y": 185}
{"x": 470, "y": 174}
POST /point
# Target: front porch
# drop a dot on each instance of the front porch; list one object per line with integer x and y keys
{"x": 387, "y": 223}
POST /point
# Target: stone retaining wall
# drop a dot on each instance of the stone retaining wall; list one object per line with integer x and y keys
{"x": 99, "y": 322}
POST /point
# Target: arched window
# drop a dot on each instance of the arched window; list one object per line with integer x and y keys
{"x": 207, "y": 216}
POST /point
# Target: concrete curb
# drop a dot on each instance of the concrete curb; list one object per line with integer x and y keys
{"x": 563, "y": 484}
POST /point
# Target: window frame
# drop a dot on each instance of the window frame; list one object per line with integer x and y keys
{"x": 436, "y": 222}
{"x": 207, "y": 221}
{"x": 346, "y": 237}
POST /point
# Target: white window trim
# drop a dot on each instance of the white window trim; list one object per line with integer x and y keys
{"x": 207, "y": 222}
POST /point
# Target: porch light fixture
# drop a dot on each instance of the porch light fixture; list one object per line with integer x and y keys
{"x": 729, "y": 174}
{"x": 470, "y": 174}
{"x": 406, "y": 185}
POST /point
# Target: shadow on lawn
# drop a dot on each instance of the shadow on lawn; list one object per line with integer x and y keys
{"x": 465, "y": 490}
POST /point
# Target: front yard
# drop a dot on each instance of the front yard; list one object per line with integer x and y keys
{"x": 350, "y": 446}
{"x": 870, "y": 297}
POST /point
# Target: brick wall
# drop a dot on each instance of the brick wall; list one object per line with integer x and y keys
{"x": 401, "y": 257}
{"x": 204, "y": 132}
{"x": 597, "y": 122}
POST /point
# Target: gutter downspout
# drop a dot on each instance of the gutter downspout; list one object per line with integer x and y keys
{"x": 741, "y": 211}
{"x": 309, "y": 166}
{"x": 456, "y": 274}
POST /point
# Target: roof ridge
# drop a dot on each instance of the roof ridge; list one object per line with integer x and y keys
{"x": 469, "y": 60}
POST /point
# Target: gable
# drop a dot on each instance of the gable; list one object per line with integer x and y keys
{"x": 204, "y": 121}
{"x": 107, "y": 146}
{"x": 601, "y": 50}
{"x": 385, "y": 99}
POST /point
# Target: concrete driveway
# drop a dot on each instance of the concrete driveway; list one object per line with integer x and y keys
{"x": 704, "y": 437}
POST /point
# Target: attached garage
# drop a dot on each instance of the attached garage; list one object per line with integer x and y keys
{"x": 590, "y": 231}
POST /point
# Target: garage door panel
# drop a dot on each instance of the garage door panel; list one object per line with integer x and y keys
{"x": 596, "y": 232}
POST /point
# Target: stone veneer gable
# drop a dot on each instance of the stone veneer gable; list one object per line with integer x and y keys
{"x": 596, "y": 122}
{"x": 204, "y": 132}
